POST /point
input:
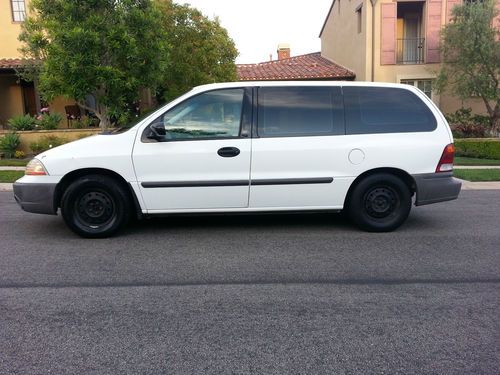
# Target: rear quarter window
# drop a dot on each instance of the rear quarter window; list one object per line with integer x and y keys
{"x": 370, "y": 110}
{"x": 300, "y": 111}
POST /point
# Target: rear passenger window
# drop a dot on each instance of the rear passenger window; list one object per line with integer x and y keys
{"x": 299, "y": 111}
{"x": 385, "y": 110}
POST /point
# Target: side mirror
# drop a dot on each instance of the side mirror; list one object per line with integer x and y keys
{"x": 158, "y": 131}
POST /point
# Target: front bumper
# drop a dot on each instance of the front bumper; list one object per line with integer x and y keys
{"x": 436, "y": 187}
{"x": 36, "y": 198}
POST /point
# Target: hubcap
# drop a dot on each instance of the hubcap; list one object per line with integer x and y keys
{"x": 380, "y": 202}
{"x": 95, "y": 208}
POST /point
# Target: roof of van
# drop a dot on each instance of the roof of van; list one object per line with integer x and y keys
{"x": 296, "y": 83}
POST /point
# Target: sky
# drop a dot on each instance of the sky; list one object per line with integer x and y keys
{"x": 258, "y": 26}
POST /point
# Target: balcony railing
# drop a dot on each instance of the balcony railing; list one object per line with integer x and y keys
{"x": 410, "y": 51}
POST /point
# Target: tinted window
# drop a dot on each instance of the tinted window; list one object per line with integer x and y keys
{"x": 385, "y": 110}
{"x": 299, "y": 111}
{"x": 214, "y": 114}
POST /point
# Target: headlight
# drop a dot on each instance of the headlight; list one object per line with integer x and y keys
{"x": 35, "y": 168}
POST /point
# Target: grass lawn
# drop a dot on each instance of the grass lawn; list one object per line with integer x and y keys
{"x": 13, "y": 162}
{"x": 477, "y": 174}
{"x": 10, "y": 176}
{"x": 461, "y": 160}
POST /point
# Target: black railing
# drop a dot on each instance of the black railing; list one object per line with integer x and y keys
{"x": 410, "y": 51}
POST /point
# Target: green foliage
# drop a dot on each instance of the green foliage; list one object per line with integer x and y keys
{"x": 460, "y": 160}
{"x": 464, "y": 124}
{"x": 20, "y": 123}
{"x": 50, "y": 121}
{"x": 478, "y": 148}
{"x": 13, "y": 162}
{"x": 46, "y": 143}
{"x": 9, "y": 143}
{"x": 464, "y": 116}
{"x": 85, "y": 122}
{"x": 106, "y": 48}
{"x": 477, "y": 174}
{"x": 10, "y": 176}
{"x": 471, "y": 56}
{"x": 201, "y": 50}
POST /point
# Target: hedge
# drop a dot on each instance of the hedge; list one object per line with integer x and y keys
{"x": 488, "y": 148}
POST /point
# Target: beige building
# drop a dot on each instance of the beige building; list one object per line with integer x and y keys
{"x": 18, "y": 97}
{"x": 391, "y": 41}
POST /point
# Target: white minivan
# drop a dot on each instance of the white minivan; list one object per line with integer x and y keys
{"x": 255, "y": 147}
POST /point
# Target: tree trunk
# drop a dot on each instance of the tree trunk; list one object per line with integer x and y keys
{"x": 495, "y": 125}
{"x": 495, "y": 120}
{"x": 105, "y": 123}
{"x": 102, "y": 113}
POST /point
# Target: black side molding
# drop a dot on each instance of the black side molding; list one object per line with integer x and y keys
{"x": 176, "y": 184}
{"x": 294, "y": 181}
{"x": 277, "y": 181}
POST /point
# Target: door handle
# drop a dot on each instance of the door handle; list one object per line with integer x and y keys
{"x": 228, "y": 152}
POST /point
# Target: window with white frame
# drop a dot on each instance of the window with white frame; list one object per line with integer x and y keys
{"x": 18, "y": 10}
{"x": 423, "y": 84}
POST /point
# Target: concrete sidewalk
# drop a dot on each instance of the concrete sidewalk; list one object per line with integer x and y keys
{"x": 12, "y": 168}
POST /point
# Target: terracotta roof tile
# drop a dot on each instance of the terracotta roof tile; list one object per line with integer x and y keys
{"x": 310, "y": 66}
{"x": 11, "y": 63}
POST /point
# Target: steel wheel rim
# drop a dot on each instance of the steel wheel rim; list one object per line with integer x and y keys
{"x": 95, "y": 208}
{"x": 381, "y": 201}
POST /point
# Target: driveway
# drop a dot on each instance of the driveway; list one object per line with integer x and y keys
{"x": 286, "y": 294}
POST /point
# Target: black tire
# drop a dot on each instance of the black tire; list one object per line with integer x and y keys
{"x": 95, "y": 206}
{"x": 379, "y": 203}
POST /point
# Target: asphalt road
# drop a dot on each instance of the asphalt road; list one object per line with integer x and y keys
{"x": 304, "y": 294}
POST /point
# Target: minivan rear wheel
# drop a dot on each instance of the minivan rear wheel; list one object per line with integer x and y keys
{"x": 379, "y": 203}
{"x": 95, "y": 206}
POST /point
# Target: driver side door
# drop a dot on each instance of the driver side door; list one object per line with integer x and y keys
{"x": 203, "y": 161}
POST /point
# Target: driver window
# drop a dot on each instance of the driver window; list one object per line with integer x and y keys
{"x": 214, "y": 114}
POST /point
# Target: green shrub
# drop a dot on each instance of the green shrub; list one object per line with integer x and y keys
{"x": 50, "y": 121}
{"x": 19, "y": 123}
{"x": 464, "y": 124}
{"x": 9, "y": 143}
{"x": 85, "y": 123}
{"x": 46, "y": 143}
{"x": 464, "y": 116}
{"x": 478, "y": 148}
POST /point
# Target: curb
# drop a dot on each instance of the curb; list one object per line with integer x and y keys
{"x": 484, "y": 185}
{"x": 5, "y": 187}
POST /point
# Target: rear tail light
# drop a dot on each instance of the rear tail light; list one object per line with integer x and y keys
{"x": 446, "y": 162}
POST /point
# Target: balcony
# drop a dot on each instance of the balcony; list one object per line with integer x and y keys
{"x": 410, "y": 51}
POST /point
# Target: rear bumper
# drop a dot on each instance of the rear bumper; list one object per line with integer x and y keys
{"x": 36, "y": 198}
{"x": 436, "y": 187}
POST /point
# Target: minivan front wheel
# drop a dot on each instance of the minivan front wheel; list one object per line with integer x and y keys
{"x": 95, "y": 206}
{"x": 379, "y": 203}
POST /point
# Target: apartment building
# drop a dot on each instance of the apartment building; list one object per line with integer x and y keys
{"x": 392, "y": 41}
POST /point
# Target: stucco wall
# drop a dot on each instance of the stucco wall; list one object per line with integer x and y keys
{"x": 340, "y": 40}
{"x": 28, "y": 137}
{"x": 11, "y": 101}
{"x": 9, "y": 31}
{"x": 57, "y": 105}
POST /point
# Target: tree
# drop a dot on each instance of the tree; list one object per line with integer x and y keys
{"x": 108, "y": 48}
{"x": 470, "y": 45}
{"x": 201, "y": 50}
